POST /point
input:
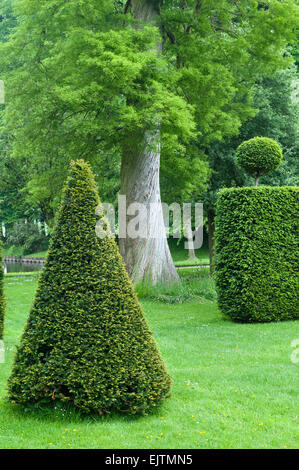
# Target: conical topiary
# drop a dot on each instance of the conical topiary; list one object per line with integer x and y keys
{"x": 2, "y": 298}
{"x": 86, "y": 340}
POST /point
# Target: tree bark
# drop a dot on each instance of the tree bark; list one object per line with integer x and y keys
{"x": 144, "y": 10}
{"x": 211, "y": 230}
{"x": 147, "y": 258}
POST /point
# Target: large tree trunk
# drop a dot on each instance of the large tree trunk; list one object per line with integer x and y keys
{"x": 211, "y": 229}
{"x": 147, "y": 258}
{"x": 144, "y": 10}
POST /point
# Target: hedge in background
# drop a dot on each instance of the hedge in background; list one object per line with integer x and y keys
{"x": 2, "y": 298}
{"x": 257, "y": 253}
{"x": 87, "y": 341}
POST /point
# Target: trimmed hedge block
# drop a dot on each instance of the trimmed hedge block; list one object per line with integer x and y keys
{"x": 256, "y": 269}
{"x": 87, "y": 342}
{"x": 2, "y": 298}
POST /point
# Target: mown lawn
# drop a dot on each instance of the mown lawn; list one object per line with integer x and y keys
{"x": 234, "y": 386}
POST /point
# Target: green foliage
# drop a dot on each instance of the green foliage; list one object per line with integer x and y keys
{"x": 27, "y": 236}
{"x": 92, "y": 81}
{"x": 86, "y": 341}
{"x": 184, "y": 174}
{"x": 16, "y": 251}
{"x": 2, "y": 298}
{"x": 109, "y": 84}
{"x": 220, "y": 48}
{"x": 277, "y": 118}
{"x": 257, "y": 253}
{"x": 7, "y": 19}
{"x": 259, "y": 156}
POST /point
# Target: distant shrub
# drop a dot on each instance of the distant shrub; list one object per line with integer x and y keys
{"x": 87, "y": 341}
{"x": 16, "y": 251}
{"x": 257, "y": 253}
{"x": 2, "y": 298}
{"x": 26, "y": 238}
{"x": 259, "y": 156}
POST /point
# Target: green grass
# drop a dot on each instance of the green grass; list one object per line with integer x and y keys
{"x": 234, "y": 385}
{"x": 40, "y": 254}
{"x": 180, "y": 254}
{"x": 22, "y": 274}
{"x": 18, "y": 252}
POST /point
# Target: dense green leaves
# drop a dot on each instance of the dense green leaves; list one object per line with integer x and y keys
{"x": 27, "y": 237}
{"x": 259, "y": 156}
{"x": 89, "y": 83}
{"x": 82, "y": 80}
{"x": 86, "y": 341}
{"x": 220, "y": 48}
{"x": 257, "y": 253}
{"x": 276, "y": 116}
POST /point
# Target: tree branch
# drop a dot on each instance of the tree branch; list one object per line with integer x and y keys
{"x": 171, "y": 37}
{"x": 127, "y": 6}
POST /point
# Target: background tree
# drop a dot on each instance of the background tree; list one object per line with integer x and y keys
{"x": 184, "y": 180}
{"x": 94, "y": 81}
{"x": 276, "y": 117}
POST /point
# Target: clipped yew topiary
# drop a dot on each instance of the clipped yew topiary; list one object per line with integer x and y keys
{"x": 2, "y": 298}
{"x": 87, "y": 341}
{"x": 257, "y": 252}
{"x": 259, "y": 156}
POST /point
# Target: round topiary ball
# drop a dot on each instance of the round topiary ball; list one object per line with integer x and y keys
{"x": 259, "y": 156}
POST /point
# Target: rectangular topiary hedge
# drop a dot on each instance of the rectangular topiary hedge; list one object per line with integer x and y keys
{"x": 257, "y": 253}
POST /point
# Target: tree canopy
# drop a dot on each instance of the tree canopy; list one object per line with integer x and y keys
{"x": 81, "y": 78}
